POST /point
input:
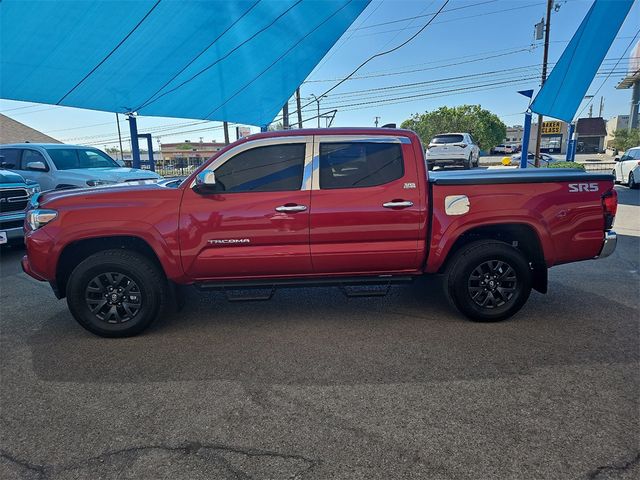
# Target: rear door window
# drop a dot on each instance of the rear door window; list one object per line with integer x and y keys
{"x": 359, "y": 164}
{"x": 441, "y": 139}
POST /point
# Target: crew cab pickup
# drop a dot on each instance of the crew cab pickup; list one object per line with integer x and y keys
{"x": 316, "y": 207}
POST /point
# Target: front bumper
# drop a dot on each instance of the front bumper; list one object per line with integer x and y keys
{"x": 12, "y": 225}
{"x": 609, "y": 244}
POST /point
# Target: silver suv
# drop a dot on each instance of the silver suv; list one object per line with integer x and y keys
{"x": 55, "y": 165}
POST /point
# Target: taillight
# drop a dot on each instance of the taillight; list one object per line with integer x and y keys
{"x": 461, "y": 145}
{"x": 609, "y": 208}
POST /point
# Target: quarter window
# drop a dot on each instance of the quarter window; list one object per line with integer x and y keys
{"x": 354, "y": 165}
{"x": 272, "y": 168}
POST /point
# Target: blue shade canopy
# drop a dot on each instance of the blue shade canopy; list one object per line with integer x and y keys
{"x": 569, "y": 80}
{"x": 235, "y": 60}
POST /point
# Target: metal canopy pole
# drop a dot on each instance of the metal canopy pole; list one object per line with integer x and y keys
{"x": 570, "y": 142}
{"x": 524, "y": 154}
{"x": 152, "y": 164}
{"x": 135, "y": 149}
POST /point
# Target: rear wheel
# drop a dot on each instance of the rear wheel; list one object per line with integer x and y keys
{"x": 489, "y": 281}
{"x": 469, "y": 163}
{"x": 632, "y": 181}
{"x": 116, "y": 293}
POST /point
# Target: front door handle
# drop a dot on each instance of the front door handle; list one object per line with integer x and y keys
{"x": 291, "y": 208}
{"x": 398, "y": 204}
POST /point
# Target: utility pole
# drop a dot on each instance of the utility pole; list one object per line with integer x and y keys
{"x": 226, "y": 132}
{"x": 318, "y": 103}
{"x": 591, "y": 111}
{"x": 377, "y": 118}
{"x": 119, "y": 136}
{"x": 547, "y": 29}
{"x": 601, "y": 107}
{"x": 285, "y": 115}
{"x": 298, "y": 107}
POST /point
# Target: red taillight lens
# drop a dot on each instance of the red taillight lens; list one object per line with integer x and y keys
{"x": 609, "y": 207}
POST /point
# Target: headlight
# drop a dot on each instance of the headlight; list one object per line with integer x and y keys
{"x": 97, "y": 183}
{"x": 39, "y": 218}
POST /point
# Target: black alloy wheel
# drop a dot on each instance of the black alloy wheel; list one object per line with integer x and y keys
{"x": 492, "y": 284}
{"x": 117, "y": 293}
{"x": 113, "y": 297}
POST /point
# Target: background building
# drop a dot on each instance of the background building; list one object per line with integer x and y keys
{"x": 554, "y": 137}
{"x": 619, "y": 122}
{"x": 514, "y": 135}
{"x": 590, "y": 133}
{"x": 188, "y": 153}
{"x": 12, "y": 131}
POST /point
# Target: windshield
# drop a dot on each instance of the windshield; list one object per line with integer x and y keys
{"x": 447, "y": 139}
{"x": 69, "y": 158}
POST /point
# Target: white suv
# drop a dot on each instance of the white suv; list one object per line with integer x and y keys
{"x": 627, "y": 168}
{"x": 453, "y": 149}
{"x": 58, "y": 166}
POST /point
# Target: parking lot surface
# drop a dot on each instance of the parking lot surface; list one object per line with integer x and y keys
{"x": 313, "y": 385}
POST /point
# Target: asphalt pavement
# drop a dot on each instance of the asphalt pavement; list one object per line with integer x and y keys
{"x": 314, "y": 385}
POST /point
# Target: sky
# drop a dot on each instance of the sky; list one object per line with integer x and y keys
{"x": 475, "y": 52}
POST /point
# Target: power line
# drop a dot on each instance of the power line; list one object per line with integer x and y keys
{"x": 380, "y": 54}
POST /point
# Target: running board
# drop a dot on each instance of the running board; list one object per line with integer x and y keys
{"x": 346, "y": 284}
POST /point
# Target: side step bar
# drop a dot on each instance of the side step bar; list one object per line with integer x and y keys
{"x": 346, "y": 284}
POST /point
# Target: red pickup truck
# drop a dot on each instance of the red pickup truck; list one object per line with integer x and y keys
{"x": 308, "y": 207}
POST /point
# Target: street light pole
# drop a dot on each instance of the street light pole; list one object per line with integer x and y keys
{"x": 547, "y": 29}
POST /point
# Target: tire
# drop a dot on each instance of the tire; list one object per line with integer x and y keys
{"x": 469, "y": 162}
{"x": 615, "y": 177}
{"x": 132, "y": 286}
{"x": 466, "y": 278}
{"x": 632, "y": 181}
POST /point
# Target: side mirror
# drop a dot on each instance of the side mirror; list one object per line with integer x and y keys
{"x": 205, "y": 181}
{"x": 616, "y": 159}
{"x": 40, "y": 166}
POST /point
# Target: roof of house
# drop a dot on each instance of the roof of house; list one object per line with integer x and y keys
{"x": 592, "y": 127}
{"x": 12, "y": 131}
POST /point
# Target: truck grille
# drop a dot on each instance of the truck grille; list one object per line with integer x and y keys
{"x": 13, "y": 200}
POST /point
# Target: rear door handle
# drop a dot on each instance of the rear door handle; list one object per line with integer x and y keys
{"x": 398, "y": 204}
{"x": 291, "y": 208}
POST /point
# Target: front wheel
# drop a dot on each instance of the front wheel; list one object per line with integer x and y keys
{"x": 488, "y": 280}
{"x": 615, "y": 176}
{"x": 632, "y": 181}
{"x": 469, "y": 162}
{"x": 116, "y": 293}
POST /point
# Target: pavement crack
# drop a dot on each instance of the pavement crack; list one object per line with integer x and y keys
{"x": 39, "y": 470}
{"x": 616, "y": 467}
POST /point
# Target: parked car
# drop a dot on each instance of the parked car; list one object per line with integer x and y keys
{"x": 453, "y": 149}
{"x": 60, "y": 166}
{"x": 504, "y": 149}
{"x": 15, "y": 193}
{"x": 316, "y": 207}
{"x": 627, "y": 169}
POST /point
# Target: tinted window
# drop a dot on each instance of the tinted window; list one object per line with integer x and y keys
{"x": 68, "y": 158}
{"x": 29, "y": 156}
{"x": 447, "y": 139}
{"x": 352, "y": 165}
{"x": 10, "y": 158}
{"x": 263, "y": 169}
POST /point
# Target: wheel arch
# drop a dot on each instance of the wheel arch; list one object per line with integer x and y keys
{"x": 520, "y": 235}
{"x": 75, "y": 252}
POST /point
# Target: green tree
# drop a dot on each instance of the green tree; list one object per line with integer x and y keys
{"x": 486, "y": 127}
{"x": 625, "y": 139}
